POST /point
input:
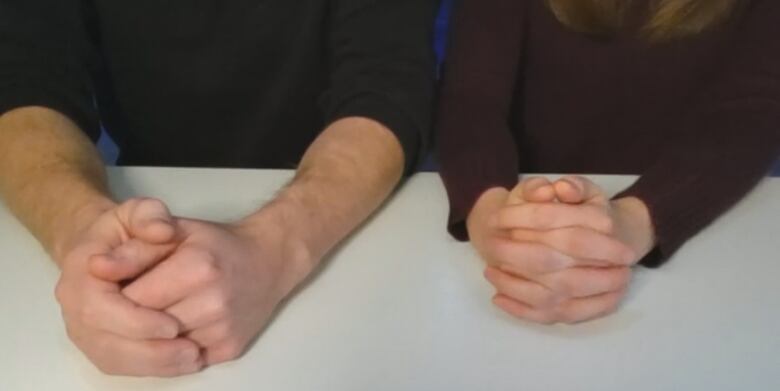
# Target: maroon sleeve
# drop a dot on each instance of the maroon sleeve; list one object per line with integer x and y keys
{"x": 726, "y": 144}
{"x": 476, "y": 148}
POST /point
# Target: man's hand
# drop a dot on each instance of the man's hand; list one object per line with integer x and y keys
{"x": 117, "y": 335}
{"x": 561, "y": 252}
{"x": 221, "y": 284}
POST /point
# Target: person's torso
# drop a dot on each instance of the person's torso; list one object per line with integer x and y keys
{"x": 606, "y": 105}
{"x": 223, "y": 83}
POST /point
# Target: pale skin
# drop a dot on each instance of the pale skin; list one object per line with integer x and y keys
{"x": 146, "y": 293}
{"x": 559, "y": 252}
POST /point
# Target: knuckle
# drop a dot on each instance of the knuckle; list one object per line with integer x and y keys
{"x": 563, "y": 314}
{"x": 218, "y": 306}
{"x": 87, "y": 315}
{"x": 207, "y": 268}
{"x": 72, "y": 335}
{"x": 606, "y": 224}
{"x": 106, "y": 369}
{"x": 223, "y": 331}
{"x": 548, "y": 300}
{"x": 548, "y": 318}
{"x": 232, "y": 349}
{"x": 568, "y": 318}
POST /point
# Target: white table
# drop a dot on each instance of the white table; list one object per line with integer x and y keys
{"x": 404, "y": 307}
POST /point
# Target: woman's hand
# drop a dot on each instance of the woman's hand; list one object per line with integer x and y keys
{"x": 559, "y": 252}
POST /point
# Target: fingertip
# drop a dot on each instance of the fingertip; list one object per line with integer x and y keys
{"x": 151, "y": 220}
{"x": 545, "y": 193}
{"x": 570, "y": 190}
{"x": 170, "y": 330}
{"x": 538, "y": 189}
{"x": 157, "y": 230}
{"x": 105, "y": 267}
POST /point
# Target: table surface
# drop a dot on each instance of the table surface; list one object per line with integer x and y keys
{"x": 404, "y": 307}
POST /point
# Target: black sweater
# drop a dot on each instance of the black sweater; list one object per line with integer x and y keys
{"x": 221, "y": 83}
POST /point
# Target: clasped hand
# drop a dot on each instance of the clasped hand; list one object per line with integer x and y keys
{"x": 146, "y": 294}
{"x": 559, "y": 252}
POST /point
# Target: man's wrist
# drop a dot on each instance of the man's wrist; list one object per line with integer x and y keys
{"x": 282, "y": 222}
{"x": 74, "y": 222}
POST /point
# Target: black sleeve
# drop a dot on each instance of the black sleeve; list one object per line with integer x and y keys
{"x": 383, "y": 67}
{"x": 44, "y": 57}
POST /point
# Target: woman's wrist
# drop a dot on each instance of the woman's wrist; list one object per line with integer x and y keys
{"x": 484, "y": 208}
{"x": 634, "y": 225}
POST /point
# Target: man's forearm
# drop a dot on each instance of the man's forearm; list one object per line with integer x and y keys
{"x": 51, "y": 176}
{"x": 346, "y": 174}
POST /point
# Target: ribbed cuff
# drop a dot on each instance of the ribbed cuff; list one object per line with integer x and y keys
{"x": 672, "y": 228}
{"x": 467, "y": 177}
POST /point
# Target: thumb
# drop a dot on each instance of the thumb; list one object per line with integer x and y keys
{"x": 579, "y": 190}
{"x": 534, "y": 189}
{"x": 129, "y": 260}
{"x": 148, "y": 219}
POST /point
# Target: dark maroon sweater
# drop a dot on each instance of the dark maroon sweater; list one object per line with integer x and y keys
{"x": 697, "y": 118}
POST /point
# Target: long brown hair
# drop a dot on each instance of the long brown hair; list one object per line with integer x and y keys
{"x": 670, "y": 18}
